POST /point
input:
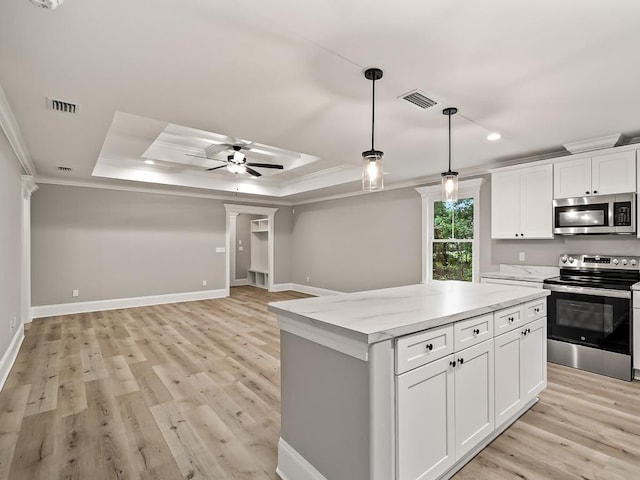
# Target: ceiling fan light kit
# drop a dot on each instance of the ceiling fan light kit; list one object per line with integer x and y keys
{"x": 372, "y": 171}
{"x": 449, "y": 178}
{"x": 237, "y": 163}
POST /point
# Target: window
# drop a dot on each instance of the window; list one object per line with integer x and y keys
{"x": 452, "y": 244}
{"x": 450, "y": 233}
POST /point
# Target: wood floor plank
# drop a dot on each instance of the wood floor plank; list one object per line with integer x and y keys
{"x": 13, "y": 403}
{"x": 192, "y": 390}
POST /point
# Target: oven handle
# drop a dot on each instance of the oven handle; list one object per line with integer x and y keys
{"x": 596, "y": 292}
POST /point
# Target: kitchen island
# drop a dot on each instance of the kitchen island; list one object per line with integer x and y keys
{"x": 408, "y": 382}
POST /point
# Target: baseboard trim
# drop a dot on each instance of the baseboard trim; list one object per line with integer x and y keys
{"x": 308, "y": 289}
{"x": 99, "y": 305}
{"x": 240, "y": 282}
{"x": 293, "y": 466}
{"x": 9, "y": 357}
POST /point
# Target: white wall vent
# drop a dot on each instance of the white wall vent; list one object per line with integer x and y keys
{"x": 64, "y": 169}
{"x": 417, "y": 97}
{"x": 62, "y": 106}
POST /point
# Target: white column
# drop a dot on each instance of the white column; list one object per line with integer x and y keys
{"x": 28, "y": 187}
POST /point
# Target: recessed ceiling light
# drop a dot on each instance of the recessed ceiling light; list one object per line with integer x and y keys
{"x": 149, "y": 162}
{"x": 492, "y": 137}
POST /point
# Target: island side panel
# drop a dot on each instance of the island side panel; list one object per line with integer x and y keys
{"x": 325, "y": 407}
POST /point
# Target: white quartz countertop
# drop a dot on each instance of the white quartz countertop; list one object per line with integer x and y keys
{"x": 378, "y": 315}
{"x": 636, "y": 286}
{"x": 523, "y": 273}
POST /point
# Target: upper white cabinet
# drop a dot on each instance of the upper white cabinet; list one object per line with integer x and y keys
{"x": 521, "y": 202}
{"x": 598, "y": 175}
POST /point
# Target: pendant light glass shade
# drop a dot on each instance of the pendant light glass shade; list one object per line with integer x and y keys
{"x": 372, "y": 171}
{"x": 449, "y": 178}
{"x": 449, "y": 186}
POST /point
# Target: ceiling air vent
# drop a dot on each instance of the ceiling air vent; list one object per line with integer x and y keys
{"x": 418, "y": 98}
{"x": 64, "y": 169}
{"x": 62, "y": 106}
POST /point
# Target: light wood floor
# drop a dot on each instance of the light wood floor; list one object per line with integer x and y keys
{"x": 191, "y": 390}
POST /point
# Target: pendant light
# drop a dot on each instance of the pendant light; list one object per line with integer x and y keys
{"x": 449, "y": 178}
{"x": 372, "y": 173}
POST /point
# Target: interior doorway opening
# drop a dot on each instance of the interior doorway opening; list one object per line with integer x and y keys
{"x": 249, "y": 246}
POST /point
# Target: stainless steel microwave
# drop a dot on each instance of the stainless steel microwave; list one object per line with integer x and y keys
{"x": 595, "y": 214}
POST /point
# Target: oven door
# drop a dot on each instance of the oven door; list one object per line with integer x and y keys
{"x": 593, "y": 317}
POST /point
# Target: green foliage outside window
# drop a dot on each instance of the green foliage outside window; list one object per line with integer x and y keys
{"x": 453, "y": 221}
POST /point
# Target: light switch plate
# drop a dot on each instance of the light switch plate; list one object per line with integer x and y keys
{"x": 521, "y": 256}
{"x": 220, "y": 249}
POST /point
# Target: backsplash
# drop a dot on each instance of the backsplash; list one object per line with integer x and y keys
{"x": 547, "y": 252}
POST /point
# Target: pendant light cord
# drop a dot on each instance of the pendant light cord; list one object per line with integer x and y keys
{"x": 373, "y": 110}
{"x": 449, "y": 141}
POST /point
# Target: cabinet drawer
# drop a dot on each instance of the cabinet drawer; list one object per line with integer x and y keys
{"x": 472, "y": 331}
{"x": 507, "y": 319}
{"x": 535, "y": 309}
{"x": 423, "y": 347}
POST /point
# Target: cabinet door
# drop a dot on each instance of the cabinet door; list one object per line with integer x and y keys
{"x": 474, "y": 405}
{"x": 508, "y": 391}
{"x": 505, "y": 204}
{"x": 614, "y": 173}
{"x": 425, "y": 423}
{"x": 536, "y": 202}
{"x": 572, "y": 178}
{"x": 533, "y": 358}
{"x": 636, "y": 336}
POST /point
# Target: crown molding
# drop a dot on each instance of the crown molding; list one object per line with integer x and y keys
{"x": 11, "y": 129}
{"x": 158, "y": 191}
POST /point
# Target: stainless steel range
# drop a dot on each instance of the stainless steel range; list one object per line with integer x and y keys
{"x": 589, "y": 313}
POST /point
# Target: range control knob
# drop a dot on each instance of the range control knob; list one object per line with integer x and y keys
{"x": 615, "y": 261}
{"x": 624, "y": 261}
{"x": 634, "y": 263}
{"x": 571, "y": 259}
{"x": 563, "y": 258}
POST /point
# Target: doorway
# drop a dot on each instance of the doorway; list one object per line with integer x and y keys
{"x": 261, "y": 226}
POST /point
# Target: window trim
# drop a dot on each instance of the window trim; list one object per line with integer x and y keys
{"x": 433, "y": 193}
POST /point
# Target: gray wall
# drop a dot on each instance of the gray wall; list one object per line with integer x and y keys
{"x": 358, "y": 243}
{"x": 10, "y": 240}
{"x": 112, "y": 244}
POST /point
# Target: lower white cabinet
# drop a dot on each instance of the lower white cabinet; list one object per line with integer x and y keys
{"x": 444, "y": 409}
{"x": 520, "y": 368}
{"x": 450, "y": 403}
{"x": 425, "y": 420}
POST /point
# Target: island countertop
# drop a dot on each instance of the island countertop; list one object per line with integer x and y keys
{"x": 378, "y": 315}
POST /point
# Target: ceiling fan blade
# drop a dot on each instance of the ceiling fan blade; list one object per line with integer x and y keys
{"x": 265, "y": 165}
{"x": 215, "y": 168}
{"x": 198, "y": 156}
{"x": 251, "y": 171}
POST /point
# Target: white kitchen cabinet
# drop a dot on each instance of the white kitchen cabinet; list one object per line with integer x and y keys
{"x": 520, "y": 368}
{"x": 425, "y": 446}
{"x": 445, "y": 408}
{"x": 598, "y": 175}
{"x": 474, "y": 390}
{"x": 521, "y": 203}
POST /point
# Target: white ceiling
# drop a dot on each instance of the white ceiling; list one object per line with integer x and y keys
{"x": 289, "y": 74}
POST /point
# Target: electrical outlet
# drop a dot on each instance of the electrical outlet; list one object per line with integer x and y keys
{"x": 12, "y": 325}
{"x": 204, "y": 283}
{"x": 307, "y": 279}
{"x": 241, "y": 248}
{"x": 75, "y": 293}
{"x": 239, "y": 242}
{"x": 521, "y": 256}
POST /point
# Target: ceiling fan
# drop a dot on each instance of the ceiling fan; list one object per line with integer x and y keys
{"x": 237, "y": 162}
